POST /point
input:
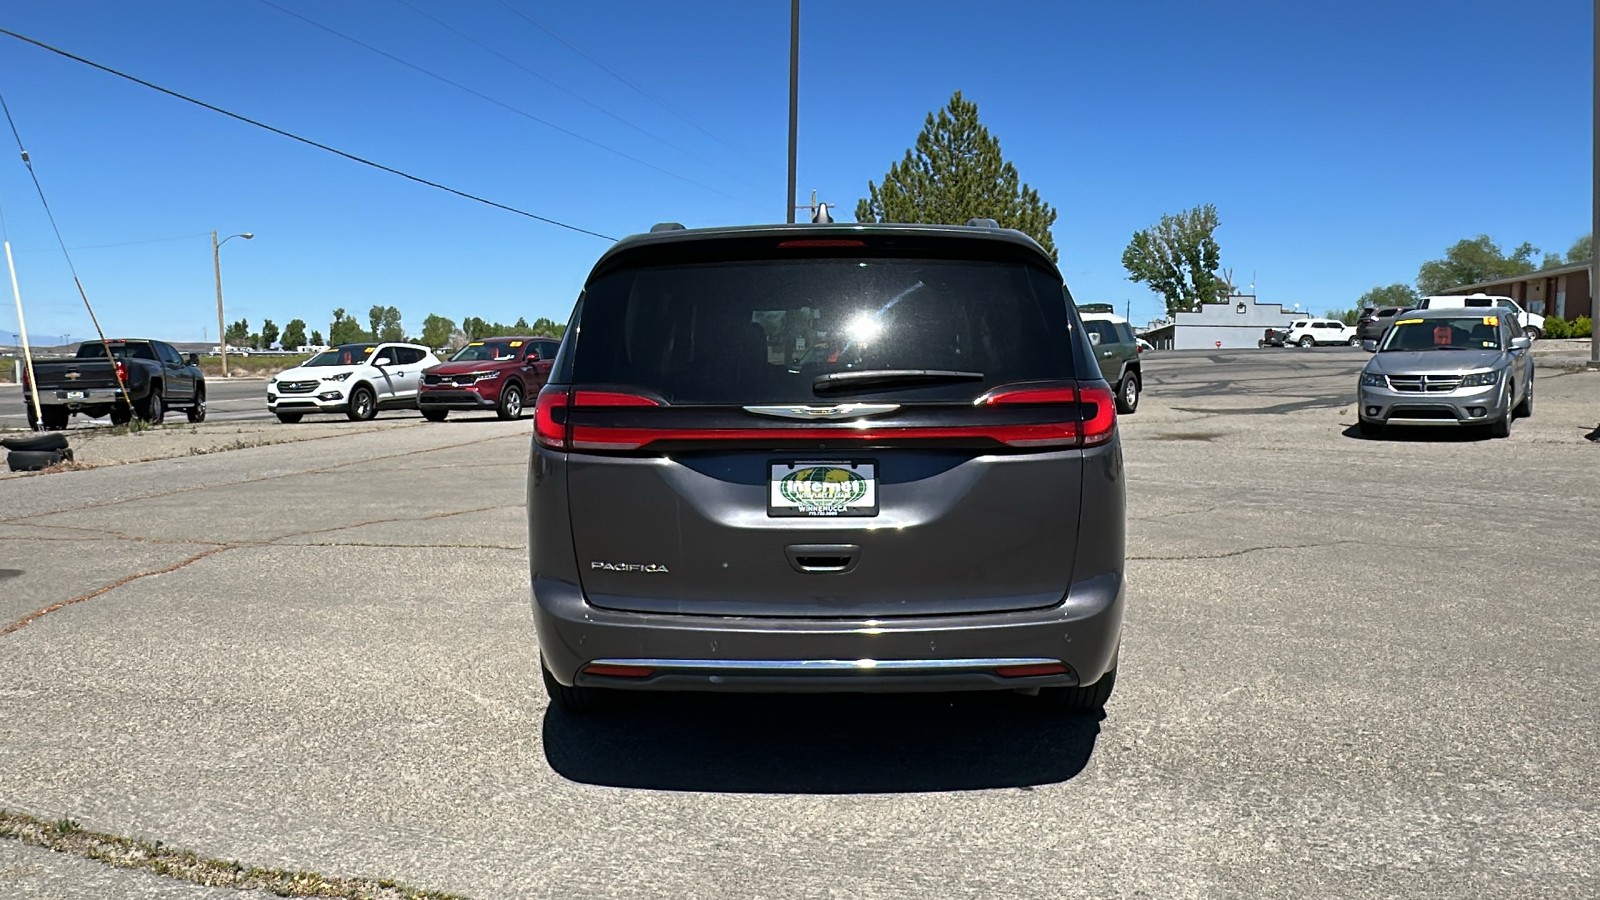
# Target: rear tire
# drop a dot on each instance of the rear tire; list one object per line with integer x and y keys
{"x": 121, "y": 415}
{"x": 1525, "y": 408}
{"x": 363, "y": 404}
{"x": 435, "y": 415}
{"x": 197, "y": 412}
{"x": 510, "y": 402}
{"x": 289, "y": 418}
{"x": 1532, "y": 333}
{"x": 55, "y": 418}
{"x": 1354, "y": 342}
{"x": 153, "y": 410}
{"x": 576, "y": 701}
{"x": 1128, "y": 393}
{"x": 1307, "y": 341}
{"x": 1076, "y": 700}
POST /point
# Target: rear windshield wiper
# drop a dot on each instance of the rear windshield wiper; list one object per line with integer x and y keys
{"x": 871, "y": 378}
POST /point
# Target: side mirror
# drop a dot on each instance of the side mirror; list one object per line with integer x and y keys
{"x": 1094, "y": 338}
{"x": 194, "y": 359}
{"x": 1370, "y": 346}
{"x": 1521, "y": 343}
{"x": 382, "y": 361}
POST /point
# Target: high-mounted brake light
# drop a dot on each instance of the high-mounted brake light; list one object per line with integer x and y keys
{"x": 612, "y": 398}
{"x": 820, "y": 242}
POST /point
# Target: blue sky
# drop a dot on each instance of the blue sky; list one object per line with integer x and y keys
{"x": 1343, "y": 144}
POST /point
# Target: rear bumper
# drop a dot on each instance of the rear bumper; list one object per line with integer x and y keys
{"x": 84, "y": 397}
{"x": 935, "y": 653}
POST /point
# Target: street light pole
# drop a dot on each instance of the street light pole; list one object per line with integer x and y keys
{"x": 216, "y": 267}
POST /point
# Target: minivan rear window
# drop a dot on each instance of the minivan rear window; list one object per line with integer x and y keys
{"x": 765, "y": 330}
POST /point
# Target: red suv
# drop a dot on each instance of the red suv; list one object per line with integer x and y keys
{"x": 494, "y": 373}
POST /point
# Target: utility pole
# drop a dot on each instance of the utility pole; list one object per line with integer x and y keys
{"x": 1594, "y": 202}
{"x": 222, "y": 329}
{"x": 794, "y": 94}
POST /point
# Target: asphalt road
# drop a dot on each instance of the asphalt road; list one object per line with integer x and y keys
{"x": 229, "y": 400}
{"x": 1351, "y": 668}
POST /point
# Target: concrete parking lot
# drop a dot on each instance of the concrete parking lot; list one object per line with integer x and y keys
{"x": 1351, "y": 668}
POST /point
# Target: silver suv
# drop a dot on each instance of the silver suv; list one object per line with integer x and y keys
{"x": 827, "y": 458}
{"x": 1448, "y": 367}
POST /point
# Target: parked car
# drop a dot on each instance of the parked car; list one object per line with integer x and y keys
{"x": 1531, "y": 324}
{"x": 1117, "y": 351}
{"x": 1373, "y": 323}
{"x": 1145, "y": 345}
{"x": 1321, "y": 333}
{"x": 1273, "y": 337}
{"x": 137, "y": 376}
{"x": 1448, "y": 367}
{"x": 494, "y": 373}
{"x": 355, "y": 379}
{"x": 940, "y": 507}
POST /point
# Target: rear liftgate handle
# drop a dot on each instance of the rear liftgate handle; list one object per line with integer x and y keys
{"x": 834, "y": 558}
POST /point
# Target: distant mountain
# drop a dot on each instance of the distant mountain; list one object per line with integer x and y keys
{"x": 37, "y": 341}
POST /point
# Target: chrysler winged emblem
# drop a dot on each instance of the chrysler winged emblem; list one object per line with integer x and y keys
{"x": 810, "y": 412}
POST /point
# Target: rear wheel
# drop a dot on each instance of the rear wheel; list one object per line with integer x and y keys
{"x": 153, "y": 410}
{"x": 289, "y": 418}
{"x": 55, "y": 418}
{"x": 1128, "y": 393}
{"x": 573, "y": 700}
{"x": 1532, "y": 333}
{"x": 1084, "y": 699}
{"x": 1354, "y": 342}
{"x": 510, "y": 402}
{"x": 1307, "y": 341}
{"x": 197, "y": 412}
{"x": 363, "y": 404}
{"x": 435, "y": 415}
{"x": 121, "y": 414}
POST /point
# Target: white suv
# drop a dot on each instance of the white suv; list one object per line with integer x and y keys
{"x": 1321, "y": 332}
{"x": 1532, "y": 324}
{"x": 354, "y": 379}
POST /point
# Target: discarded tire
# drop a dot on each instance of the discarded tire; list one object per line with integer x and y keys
{"x": 34, "y": 460}
{"x": 48, "y": 440}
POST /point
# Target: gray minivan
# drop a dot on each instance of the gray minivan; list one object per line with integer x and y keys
{"x": 827, "y": 458}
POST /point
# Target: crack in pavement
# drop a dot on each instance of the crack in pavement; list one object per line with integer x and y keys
{"x": 1240, "y": 552}
{"x": 216, "y": 548}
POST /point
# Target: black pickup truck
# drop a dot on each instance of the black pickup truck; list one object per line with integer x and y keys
{"x": 155, "y": 375}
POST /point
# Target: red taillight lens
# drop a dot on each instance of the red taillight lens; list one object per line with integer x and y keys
{"x": 612, "y": 398}
{"x": 549, "y": 418}
{"x": 1100, "y": 414}
{"x": 1094, "y": 422}
{"x": 820, "y": 242}
{"x": 122, "y": 372}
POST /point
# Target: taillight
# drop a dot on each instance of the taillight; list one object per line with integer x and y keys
{"x": 1074, "y": 416}
{"x": 122, "y": 373}
{"x": 549, "y": 418}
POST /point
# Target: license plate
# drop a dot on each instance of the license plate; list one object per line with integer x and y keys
{"x": 74, "y": 395}
{"x": 833, "y": 488}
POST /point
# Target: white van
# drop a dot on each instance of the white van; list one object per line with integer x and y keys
{"x": 1532, "y": 324}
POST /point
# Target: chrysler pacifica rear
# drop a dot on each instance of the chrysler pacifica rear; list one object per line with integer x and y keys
{"x": 827, "y": 458}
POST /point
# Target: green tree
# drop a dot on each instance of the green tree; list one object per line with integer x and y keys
{"x": 543, "y": 325}
{"x": 1397, "y": 294}
{"x": 436, "y": 330}
{"x": 316, "y": 338}
{"x": 345, "y": 330}
{"x": 389, "y": 328}
{"x": 1582, "y": 251}
{"x": 255, "y": 341}
{"x": 237, "y": 333}
{"x": 521, "y": 325}
{"x": 956, "y": 172}
{"x": 1178, "y": 258}
{"x": 269, "y": 334}
{"x": 1474, "y": 260}
{"x": 294, "y": 334}
{"x": 1347, "y": 316}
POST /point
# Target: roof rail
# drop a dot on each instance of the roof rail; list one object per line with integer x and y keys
{"x": 983, "y": 223}
{"x": 666, "y": 226}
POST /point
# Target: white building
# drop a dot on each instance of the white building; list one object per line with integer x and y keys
{"x": 1234, "y": 324}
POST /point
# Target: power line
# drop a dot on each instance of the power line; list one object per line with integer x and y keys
{"x": 503, "y": 105}
{"x": 552, "y": 83}
{"x": 622, "y": 78}
{"x": 295, "y": 137}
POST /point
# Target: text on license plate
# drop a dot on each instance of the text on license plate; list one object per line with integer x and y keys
{"x": 833, "y": 488}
